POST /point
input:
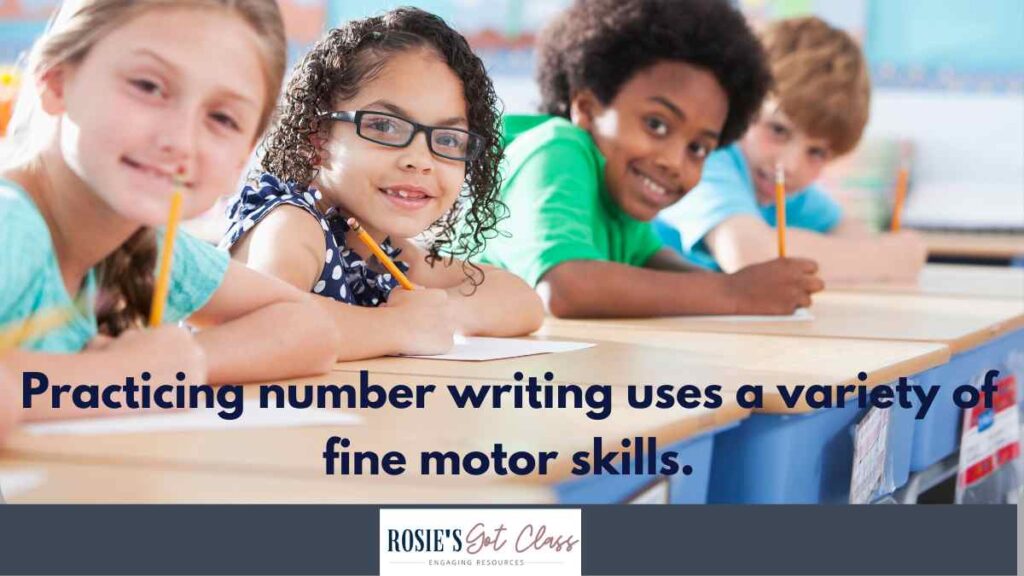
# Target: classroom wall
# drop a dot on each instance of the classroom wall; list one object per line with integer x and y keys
{"x": 957, "y": 136}
{"x": 948, "y": 75}
{"x": 21, "y": 21}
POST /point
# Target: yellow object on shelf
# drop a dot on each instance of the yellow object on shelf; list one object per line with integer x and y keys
{"x": 10, "y": 81}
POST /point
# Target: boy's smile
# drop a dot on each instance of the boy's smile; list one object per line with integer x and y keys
{"x": 775, "y": 139}
{"x": 658, "y": 191}
{"x": 655, "y": 134}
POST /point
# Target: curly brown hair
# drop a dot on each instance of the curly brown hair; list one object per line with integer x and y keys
{"x": 353, "y": 54}
{"x": 599, "y": 45}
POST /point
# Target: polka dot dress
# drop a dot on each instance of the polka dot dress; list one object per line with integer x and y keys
{"x": 345, "y": 275}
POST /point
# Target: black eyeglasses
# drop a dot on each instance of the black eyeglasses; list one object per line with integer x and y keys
{"x": 395, "y": 131}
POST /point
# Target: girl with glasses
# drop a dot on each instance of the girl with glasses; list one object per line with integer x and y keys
{"x": 393, "y": 121}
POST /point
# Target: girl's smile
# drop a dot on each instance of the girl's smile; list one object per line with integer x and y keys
{"x": 408, "y": 197}
{"x": 147, "y": 103}
{"x": 155, "y": 175}
{"x": 397, "y": 191}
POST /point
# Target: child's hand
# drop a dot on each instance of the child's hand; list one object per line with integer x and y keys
{"x": 909, "y": 253}
{"x": 162, "y": 351}
{"x": 10, "y": 403}
{"x": 426, "y": 320}
{"x": 778, "y": 286}
{"x": 98, "y": 342}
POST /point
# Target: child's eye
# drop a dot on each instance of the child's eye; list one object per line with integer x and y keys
{"x": 699, "y": 150}
{"x": 656, "y": 125}
{"x": 225, "y": 120}
{"x": 146, "y": 86}
{"x": 450, "y": 141}
{"x": 818, "y": 154}
{"x": 382, "y": 125}
{"x": 779, "y": 130}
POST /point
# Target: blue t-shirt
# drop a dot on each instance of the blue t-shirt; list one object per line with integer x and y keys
{"x": 31, "y": 281}
{"x": 726, "y": 189}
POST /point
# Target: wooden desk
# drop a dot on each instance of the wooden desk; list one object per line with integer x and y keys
{"x": 994, "y": 282}
{"x": 441, "y": 426}
{"x": 957, "y": 322}
{"x": 644, "y": 356}
{"x": 619, "y": 364}
{"x": 68, "y": 482}
{"x": 974, "y": 245}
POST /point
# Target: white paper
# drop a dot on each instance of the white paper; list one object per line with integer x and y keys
{"x": 16, "y": 482}
{"x": 202, "y": 419}
{"x": 476, "y": 349}
{"x": 801, "y": 315}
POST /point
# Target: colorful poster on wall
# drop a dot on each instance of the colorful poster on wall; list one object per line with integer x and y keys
{"x": 22, "y": 21}
{"x": 304, "y": 22}
{"x": 956, "y": 45}
{"x": 501, "y": 31}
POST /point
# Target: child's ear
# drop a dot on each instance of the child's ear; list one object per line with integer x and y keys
{"x": 318, "y": 141}
{"x": 583, "y": 109}
{"x": 50, "y": 85}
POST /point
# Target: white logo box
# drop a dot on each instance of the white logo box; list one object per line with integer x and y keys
{"x": 480, "y": 541}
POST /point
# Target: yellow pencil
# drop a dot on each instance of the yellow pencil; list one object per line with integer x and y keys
{"x": 381, "y": 256}
{"x": 780, "y": 208}
{"x": 20, "y": 331}
{"x": 901, "y": 196}
{"x": 163, "y": 279}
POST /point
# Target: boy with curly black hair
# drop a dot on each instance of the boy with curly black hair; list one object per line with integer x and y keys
{"x": 639, "y": 93}
{"x": 816, "y": 112}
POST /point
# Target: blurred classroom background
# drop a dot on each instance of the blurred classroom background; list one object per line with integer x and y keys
{"x": 948, "y": 93}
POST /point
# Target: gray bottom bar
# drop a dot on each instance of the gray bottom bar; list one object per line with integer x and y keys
{"x": 616, "y": 539}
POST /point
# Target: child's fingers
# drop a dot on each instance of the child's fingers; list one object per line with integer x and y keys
{"x": 99, "y": 342}
{"x": 9, "y": 401}
{"x": 805, "y": 265}
{"x": 804, "y": 301}
{"x": 814, "y": 284}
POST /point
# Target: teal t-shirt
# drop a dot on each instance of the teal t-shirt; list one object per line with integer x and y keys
{"x": 726, "y": 189}
{"x": 31, "y": 281}
{"x": 559, "y": 208}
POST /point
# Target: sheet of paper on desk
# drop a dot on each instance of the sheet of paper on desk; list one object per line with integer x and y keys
{"x": 189, "y": 420}
{"x": 476, "y": 349}
{"x": 18, "y": 481}
{"x": 801, "y": 315}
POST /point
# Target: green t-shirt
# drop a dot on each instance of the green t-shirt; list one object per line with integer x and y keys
{"x": 559, "y": 207}
{"x": 31, "y": 281}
